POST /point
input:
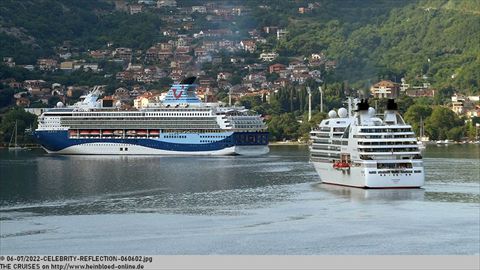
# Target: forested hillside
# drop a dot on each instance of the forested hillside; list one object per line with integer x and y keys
{"x": 439, "y": 39}
{"x": 369, "y": 39}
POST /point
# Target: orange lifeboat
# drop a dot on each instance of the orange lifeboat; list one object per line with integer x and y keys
{"x": 95, "y": 132}
{"x": 72, "y": 133}
{"x": 142, "y": 132}
{"x": 107, "y": 133}
{"x": 154, "y": 132}
{"x": 84, "y": 132}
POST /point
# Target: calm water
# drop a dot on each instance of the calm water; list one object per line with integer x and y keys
{"x": 231, "y": 205}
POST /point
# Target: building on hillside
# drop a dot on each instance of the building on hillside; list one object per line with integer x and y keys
{"x": 268, "y": 57}
{"x": 464, "y": 104}
{"x": 276, "y": 68}
{"x": 8, "y": 61}
{"x": 134, "y": 9}
{"x": 199, "y": 9}
{"x": 123, "y": 53}
{"x": 385, "y": 89}
{"x": 421, "y": 92}
{"x": 223, "y": 76}
{"x": 248, "y": 45}
{"x": 166, "y": 3}
{"x": 47, "y": 64}
{"x": 281, "y": 33}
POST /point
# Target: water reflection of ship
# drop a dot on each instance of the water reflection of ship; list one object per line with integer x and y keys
{"x": 358, "y": 194}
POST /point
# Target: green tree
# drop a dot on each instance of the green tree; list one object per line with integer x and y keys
{"x": 250, "y": 101}
{"x": 284, "y": 126}
{"x": 456, "y": 133}
{"x": 415, "y": 114}
{"x": 440, "y": 122}
{"x": 6, "y": 97}
{"x": 24, "y": 120}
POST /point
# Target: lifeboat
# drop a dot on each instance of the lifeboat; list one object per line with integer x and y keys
{"x": 118, "y": 132}
{"x": 72, "y": 133}
{"x": 154, "y": 132}
{"x": 131, "y": 132}
{"x": 107, "y": 133}
{"x": 95, "y": 132}
{"x": 84, "y": 132}
{"x": 341, "y": 165}
{"x": 142, "y": 132}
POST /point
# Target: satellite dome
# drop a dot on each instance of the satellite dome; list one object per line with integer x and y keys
{"x": 118, "y": 104}
{"x": 371, "y": 111}
{"x": 60, "y": 104}
{"x": 342, "y": 112}
{"x": 332, "y": 114}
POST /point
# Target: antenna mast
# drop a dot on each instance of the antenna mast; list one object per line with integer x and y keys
{"x": 309, "y": 103}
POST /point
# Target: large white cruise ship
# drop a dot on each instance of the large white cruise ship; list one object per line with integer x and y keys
{"x": 180, "y": 125}
{"x": 367, "y": 151}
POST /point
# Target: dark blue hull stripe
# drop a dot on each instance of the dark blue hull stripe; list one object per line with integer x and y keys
{"x": 57, "y": 140}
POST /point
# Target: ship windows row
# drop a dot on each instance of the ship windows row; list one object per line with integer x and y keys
{"x": 383, "y": 136}
{"x": 325, "y": 155}
{"x": 394, "y": 165}
{"x": 175, "y": 136}
{"x": 388, "y": 143}
{"x": 339, "y": 142}
{"x": 213, "y": 136}
{"x": 324, "y": 141}
{"x": 409, "y": 149}
{"x": 326, "y": 147}
{"x": 389, "y": 130}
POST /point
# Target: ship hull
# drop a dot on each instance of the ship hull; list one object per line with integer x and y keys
{"x": 361, "y": 178}
{"x": 58, "y": 142}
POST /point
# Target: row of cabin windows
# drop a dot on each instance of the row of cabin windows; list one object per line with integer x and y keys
{"x": 326, "y": 147}
{"x": 325, "y": 155}
{"x": 338, "y": 142}
{"x": 196, "y": 119}
{"x": 135, "y": 114}
{"x": 406, "y": 149}
{"x": 383, "y": 136}
{"x": 387, "y": 143}
{"x": 394, "y": 165}
{"x": 379, "y": 130}
{"x": 175, "y": 136}
{"x": 410, "y": 156}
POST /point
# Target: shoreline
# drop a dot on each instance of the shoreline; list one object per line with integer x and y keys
{"x": 286, "y": 143}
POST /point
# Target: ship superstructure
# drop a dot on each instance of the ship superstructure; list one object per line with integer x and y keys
{"x": 366, "y": 150}
{"x": 181, "y": 124}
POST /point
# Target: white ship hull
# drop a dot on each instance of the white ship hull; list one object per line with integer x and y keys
{"x": 360, "y": 177}
{"x": 132, "y": 149}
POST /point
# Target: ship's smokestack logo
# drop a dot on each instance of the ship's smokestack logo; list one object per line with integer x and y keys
{"x": 175, "y": 93}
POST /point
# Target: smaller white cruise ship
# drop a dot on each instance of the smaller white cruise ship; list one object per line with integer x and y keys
{"x": 365, "y": 150}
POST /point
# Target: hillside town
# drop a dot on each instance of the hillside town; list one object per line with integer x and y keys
{"x": 223, "y": 61}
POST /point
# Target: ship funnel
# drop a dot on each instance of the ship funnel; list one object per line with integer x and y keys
{"x": 182, "y": 93}
{"x": 391, "y": 116}
{"x": 362, "y": 105}
{"x": 189, "y": 80}
{"x": 391, "y": 105}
